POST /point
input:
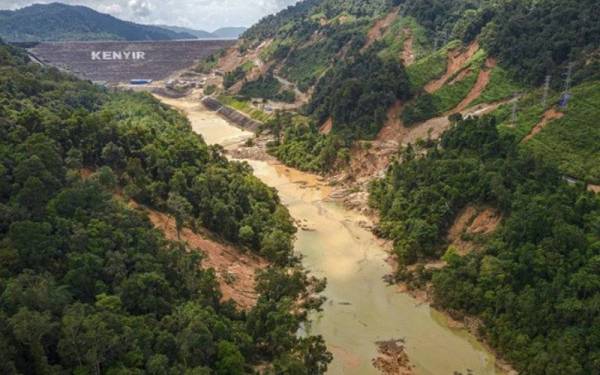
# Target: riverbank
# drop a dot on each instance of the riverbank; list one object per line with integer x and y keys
{"x": 335, "y": 243}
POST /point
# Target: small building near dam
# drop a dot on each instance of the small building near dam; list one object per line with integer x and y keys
{"x": 123, "y": 62}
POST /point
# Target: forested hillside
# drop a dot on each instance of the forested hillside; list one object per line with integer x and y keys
{"x": 61, "y": 22}
{"x": 534, "y": 282}
{"x": 88, "y": 285}
{"x": 458, "y": 55}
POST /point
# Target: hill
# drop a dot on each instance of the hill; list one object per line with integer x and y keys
{"x": 222, "y": 33}
{"x": 90, "y": 282}
{"x": 61, "y": 22}
{"x": 199, "y": 34}
{"x": 458, "y": 57}
{"x": 229, "y": 32}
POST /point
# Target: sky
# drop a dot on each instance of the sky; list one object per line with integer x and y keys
{"x": 199, "y": 14}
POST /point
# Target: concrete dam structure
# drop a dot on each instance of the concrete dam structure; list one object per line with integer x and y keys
{"x": 116, "y": 62}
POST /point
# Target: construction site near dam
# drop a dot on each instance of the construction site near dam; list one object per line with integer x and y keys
{"x": 118, "y": 62}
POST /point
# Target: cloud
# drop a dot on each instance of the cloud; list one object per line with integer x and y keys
{"x": 140, "y": 8}
{"x": 201, "y": 14}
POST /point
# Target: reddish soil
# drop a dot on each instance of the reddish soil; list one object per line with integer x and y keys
{"x": 393, "y": 126}
{"x": 482, "y": 81}
{"x": 472, "y": 221}
{"x": 459, "y": 77}
{"x": 231, "y": 60}
{"x": 549, "y": 116}
{"x": 367, "y": 163}
{"x": 235, "y": 269}
{"x": 326, "y": 127}
{"x": 367, "y": 159}
{"x": 435, "y": 127}
{"x": 376, "y": 32}
{"x": 456, "y": 60}
{"x": 408, "y": 55}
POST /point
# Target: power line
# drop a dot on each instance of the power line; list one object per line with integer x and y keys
{"x": 546, "y": 89}
{"x": 515, "y": 101}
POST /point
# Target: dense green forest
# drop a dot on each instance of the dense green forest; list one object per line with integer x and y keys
{"x": 61, "y": 22}
{"x": 535, "y": 283}
{"x": 300, "y": 145}
{"x": 267, "y": 87}
{"x": 358, "y": 94}
{"x": 87, "y": 285}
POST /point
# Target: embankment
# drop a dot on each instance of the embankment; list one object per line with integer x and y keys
{"x": 231, "y": 115}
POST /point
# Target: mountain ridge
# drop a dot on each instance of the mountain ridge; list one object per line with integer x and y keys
{"x": 61, "y": 22}
{"x": 223, "y": 32}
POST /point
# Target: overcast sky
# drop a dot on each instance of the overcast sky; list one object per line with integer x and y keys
{"x": 199, "y": 14}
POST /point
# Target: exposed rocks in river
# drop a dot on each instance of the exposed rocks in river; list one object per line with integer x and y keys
{"x": 393, "y": 359}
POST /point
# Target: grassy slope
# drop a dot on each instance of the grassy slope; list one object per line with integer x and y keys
{"x": 501, "y": 86}
{"x": 245, "y": 107}
{"x": 430, "y": 67}
{"x": 573, "y": 142}
{"x": 395, "y": 37}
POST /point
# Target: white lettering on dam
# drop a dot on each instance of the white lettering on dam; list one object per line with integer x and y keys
{"x": 117, "y": 55}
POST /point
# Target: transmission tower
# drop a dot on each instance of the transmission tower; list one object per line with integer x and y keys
{"x": 566, "y": 96}
{"x": 513, "y": 116}
{"x": 546, "y": 90}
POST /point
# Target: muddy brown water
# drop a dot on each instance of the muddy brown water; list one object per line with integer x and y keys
{"x": 361, "y": 308}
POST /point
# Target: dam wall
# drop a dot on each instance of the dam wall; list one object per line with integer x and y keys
{"x": 117, "y": 62}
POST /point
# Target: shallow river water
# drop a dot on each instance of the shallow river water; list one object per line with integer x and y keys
{"x": 361, "y": 308}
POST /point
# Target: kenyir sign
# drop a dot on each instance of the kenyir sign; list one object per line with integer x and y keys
{"x": 117, "y": 55}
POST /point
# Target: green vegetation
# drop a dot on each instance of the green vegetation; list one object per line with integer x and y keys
{"x": 529, "y": 113}
{"x": 540, "y": 40}
{"x": 395, "y": 37}
{"x": 531, "y": 39}
{"x": 500, "y": 87}
{"x": 535, "y": 283}
{"x": 208, "y": 64}
{"x": 572, "y": 142}
{"x": 357, "y": 94}
{"x": 87, "y": 285}
{"x": 302, "y": 19}
{"x": 210, "y": 89}
{"x": 61, "y": 22}
{"x": 233, "y": 77}
{"x": 427, "y": 105}
{"x": 430, "y": 67}
{"x": 299, "y": 144}
{"x": 307, "y": 64}
{"x": 312, "y": 35}
{"x": 243, "y": 105}
{"x": 267, "y": 87}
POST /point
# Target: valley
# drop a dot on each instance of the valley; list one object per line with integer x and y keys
{"x": 361, "y": 309}
{"x": 395, "y": 187}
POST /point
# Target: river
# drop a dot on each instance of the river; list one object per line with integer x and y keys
{"x": 361, "y": 308}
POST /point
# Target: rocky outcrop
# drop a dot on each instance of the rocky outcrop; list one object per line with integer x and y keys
{"x": 235, "y": 117}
